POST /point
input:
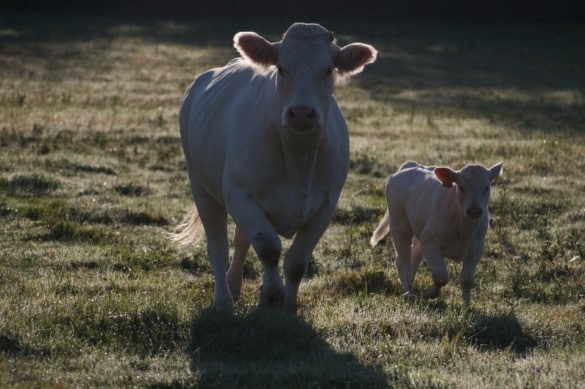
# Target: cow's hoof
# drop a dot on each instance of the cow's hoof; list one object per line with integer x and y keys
{"x": 272, "y": 298}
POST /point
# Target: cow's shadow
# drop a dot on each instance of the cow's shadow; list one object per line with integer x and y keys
{"x": 266, "y": 347}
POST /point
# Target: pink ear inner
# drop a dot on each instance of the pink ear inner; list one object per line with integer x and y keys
{"x": 255, "y": 48}
{"x": 446, "y": 176}
{"x": 353, "y": 57}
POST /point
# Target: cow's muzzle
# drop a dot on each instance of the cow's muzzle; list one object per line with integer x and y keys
{"x": 301, "y": 117}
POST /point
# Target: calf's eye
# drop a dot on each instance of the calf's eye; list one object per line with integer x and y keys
{"x": 280, "y": 71}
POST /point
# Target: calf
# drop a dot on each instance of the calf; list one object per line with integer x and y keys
{"x": 428, "y": 216}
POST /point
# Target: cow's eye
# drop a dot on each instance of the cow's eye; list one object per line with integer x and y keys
{"x": 329, "y": 72}
{"x": 462, "y": 189}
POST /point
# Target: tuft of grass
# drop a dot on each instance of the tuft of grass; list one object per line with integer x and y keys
{"x": 28, "y": 185}
{"x": 131, "y": 189}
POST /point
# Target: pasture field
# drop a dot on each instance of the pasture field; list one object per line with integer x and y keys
{"x": 92, "y": 177}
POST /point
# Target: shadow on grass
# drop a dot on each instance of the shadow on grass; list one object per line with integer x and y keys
{"x": 265, "y": 346}
{"x": 482, "y": 330}
{"x": 12, "y": 346}
{"x": 366, "y": 281}
{"x": 500, "y": 331}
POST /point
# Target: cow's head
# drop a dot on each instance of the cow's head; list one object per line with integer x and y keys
{"x": 307, "y": 62}
{"x": 473, "y": 186}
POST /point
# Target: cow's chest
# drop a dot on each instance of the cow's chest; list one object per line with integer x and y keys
{"x": 454, "y": 249}
{"x": 289, "y": 208}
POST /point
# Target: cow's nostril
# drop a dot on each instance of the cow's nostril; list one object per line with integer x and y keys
{"x": 474, "y": 212}
{"x": 302, "y": 116}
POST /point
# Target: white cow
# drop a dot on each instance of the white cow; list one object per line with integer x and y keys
{"x": 266, "y": 143}
{"x": 429, "y": 217}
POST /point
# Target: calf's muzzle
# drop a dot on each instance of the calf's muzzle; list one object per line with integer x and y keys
{"x": 474, "y": 212}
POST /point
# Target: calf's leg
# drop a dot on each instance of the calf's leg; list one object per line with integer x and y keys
{"x": 402, "y": 244}
{"x": 416, "y": 256}
{"x": 466, "y": 279}
{"x": 438, "y": 269}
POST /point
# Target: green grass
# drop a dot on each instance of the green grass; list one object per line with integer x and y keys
{"x": 92, "y": 177}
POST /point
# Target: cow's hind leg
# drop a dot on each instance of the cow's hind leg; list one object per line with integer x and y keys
{"x": 214, "y": 219}
{"x": 236, "y": 271}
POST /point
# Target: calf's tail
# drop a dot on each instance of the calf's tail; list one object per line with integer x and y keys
{"x": 381, "y": 231}
{"x": 189, "y": 230}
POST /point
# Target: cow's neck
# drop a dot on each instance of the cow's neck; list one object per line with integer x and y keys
{"x": 300, "y": 154}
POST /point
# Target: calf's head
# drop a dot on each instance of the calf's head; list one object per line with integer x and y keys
{"x": 472, "y": 186}
{"x": 307, "y": 61}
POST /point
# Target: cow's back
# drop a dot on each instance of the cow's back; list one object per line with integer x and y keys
{"x": 217, "y": 111}
{"x": 210, "y": 102}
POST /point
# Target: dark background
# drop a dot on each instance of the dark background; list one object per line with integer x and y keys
{"x": 432, "y": 10}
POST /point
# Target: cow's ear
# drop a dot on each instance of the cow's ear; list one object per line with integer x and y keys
{"x": 495, "y": 171}
{"x": 447, "y": 176}
{"x": 352, "y": 58}
{"x": 255, "y": 48}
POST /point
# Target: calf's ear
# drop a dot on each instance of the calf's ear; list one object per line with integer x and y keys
{"x": 447, "y": 176}
{"x": 352, "y": 58}
{"x": 495, "y": 171}
{"x": 256, "y": 49}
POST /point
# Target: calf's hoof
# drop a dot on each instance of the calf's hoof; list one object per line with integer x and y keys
{"x": 432, "y": 292}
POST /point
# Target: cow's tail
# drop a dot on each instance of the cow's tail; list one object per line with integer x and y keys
{"x": 381, "y": 231}
{"x": 189, "y": 230}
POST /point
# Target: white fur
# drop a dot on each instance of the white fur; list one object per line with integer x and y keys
{"x": 265, "y": 142}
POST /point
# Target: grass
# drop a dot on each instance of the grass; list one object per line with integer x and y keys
{"x": 92, "y": 176}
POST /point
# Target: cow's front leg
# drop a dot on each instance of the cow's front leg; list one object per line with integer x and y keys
{"x": 268, "y": 248}
{"x": 254, "y": 225}
{"x": 439, "y": 271}
{"x": 298, "y": 256}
